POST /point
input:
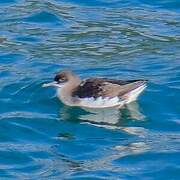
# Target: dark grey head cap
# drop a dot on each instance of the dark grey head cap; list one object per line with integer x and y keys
{"x": 63, "y": 76}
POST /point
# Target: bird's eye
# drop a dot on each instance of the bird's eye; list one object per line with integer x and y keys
{"x": 62, "y": 80}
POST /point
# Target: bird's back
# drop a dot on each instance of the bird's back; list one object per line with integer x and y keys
{"x": 96, "y": 87}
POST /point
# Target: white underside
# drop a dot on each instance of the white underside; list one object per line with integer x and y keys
{"x": 111, "y": 102}
{"x": 100, "y": 102}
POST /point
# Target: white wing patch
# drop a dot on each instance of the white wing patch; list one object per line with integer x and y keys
{"x": 100, "y": 102}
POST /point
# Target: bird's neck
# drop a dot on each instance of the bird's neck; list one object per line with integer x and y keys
{"x": 65, "y": 93}
{"x": 72, "y": 84}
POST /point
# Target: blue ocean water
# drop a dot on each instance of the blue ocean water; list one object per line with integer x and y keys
{"x": 40, "y": 138}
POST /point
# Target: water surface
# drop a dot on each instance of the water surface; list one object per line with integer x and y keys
{"x": 42, "y": 138}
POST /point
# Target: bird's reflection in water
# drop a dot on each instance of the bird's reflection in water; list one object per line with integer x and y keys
{"x": 110, "y": 118}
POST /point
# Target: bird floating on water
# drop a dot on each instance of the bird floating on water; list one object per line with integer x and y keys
{"x": 95, "y": 92}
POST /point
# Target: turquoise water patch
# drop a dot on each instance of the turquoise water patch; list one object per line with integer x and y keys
{"x": 7, "y": 2}
{"x": 27, "y": 39}
{"x": 42, "y": 17}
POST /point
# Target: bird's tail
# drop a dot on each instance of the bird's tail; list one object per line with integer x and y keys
{"x": 135, "y": 89}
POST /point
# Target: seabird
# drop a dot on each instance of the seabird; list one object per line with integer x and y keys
{"x": 95, "y": 92}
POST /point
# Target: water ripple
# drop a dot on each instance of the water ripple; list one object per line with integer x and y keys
{"x": 42, "y": 138}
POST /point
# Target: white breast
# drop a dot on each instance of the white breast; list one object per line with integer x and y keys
{"x": 100, "y": 102}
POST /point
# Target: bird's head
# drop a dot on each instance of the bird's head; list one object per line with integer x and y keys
{"x": 61, "y": 79}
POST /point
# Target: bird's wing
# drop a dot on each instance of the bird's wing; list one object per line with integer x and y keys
{"x": 103, "y": 87}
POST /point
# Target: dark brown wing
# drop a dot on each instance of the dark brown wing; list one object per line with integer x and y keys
{"x": 96, "y": 87}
